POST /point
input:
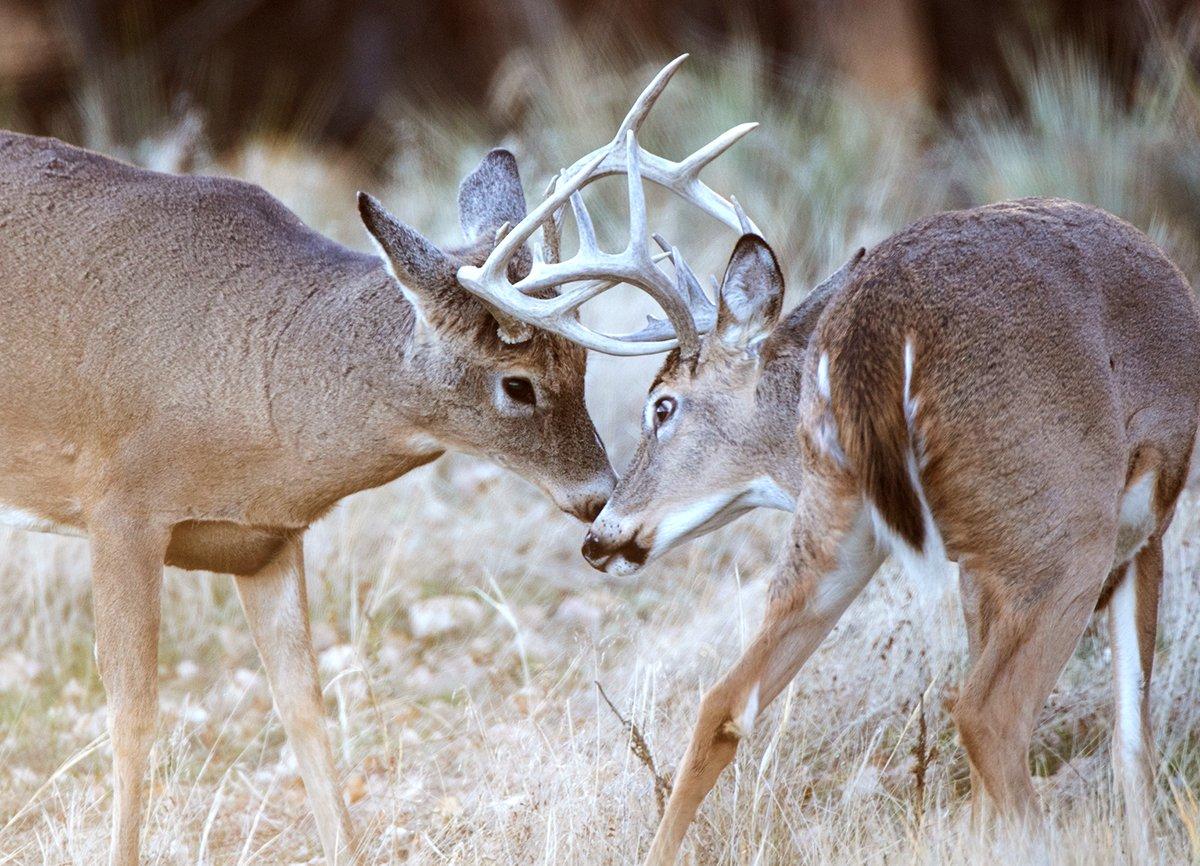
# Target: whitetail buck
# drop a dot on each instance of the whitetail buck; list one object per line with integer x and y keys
{"x": 1015, "y": 387}
{"x": 191, "y": 376}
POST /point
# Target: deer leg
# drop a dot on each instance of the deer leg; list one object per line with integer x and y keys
{"x": 1032, "y": 629}
{"x": 824, "y": 572}
{"x": 1133, "y": 627}
{"x": 276, "y": 606}
{"x": 127, "y": 570}
{"x": 968, "y": 590}
{"x": 972, "y": 608}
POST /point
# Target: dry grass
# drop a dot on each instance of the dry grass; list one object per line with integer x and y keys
{"x": 490, "y": 744}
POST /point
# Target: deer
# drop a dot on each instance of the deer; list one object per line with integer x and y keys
{"x": 1014, "y": 388}
{"x": 190, "y": 376}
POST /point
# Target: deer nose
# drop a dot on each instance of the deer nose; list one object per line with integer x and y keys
{"x": 593, "y": 551}
{"x": 600, "y": 553}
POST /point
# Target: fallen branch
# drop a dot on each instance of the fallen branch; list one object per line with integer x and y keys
{"x": 641, "y": 751}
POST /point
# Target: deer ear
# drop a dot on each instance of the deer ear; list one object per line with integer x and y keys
{"x": 423, "y": 270}
{"x": 751, "y": 295}
{"x": 491, "y": 196}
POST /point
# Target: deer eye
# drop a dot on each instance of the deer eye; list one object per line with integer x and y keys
{"x": 664, "y": 408}
{"x": 519, "y": 389}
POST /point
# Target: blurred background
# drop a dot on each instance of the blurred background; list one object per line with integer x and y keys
{"x": 333, "y": 70}
{"x": 456, "y": 623}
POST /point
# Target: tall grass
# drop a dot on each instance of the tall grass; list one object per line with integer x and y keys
{"x": 491, "y": 744}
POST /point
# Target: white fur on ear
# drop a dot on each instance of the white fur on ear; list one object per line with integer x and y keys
{"x": 751, "y": 296}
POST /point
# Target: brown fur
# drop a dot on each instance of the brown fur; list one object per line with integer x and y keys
{"x": 1056, "y": 367}
{"x": 185, "y": 365}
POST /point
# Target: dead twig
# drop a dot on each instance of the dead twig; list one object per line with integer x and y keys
{"x": 641, "y": 751}
{"x": 924, "y": 756}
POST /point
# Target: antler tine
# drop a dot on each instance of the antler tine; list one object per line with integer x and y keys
{"x": 695, "y": 295}
{"x": 658, "y": 329}
{"x": 552, "y": 228}
{"x": 497, "y": 261}
{"x": 703, "y": 310}
{"x": 645, "y": 101}
{"x": 743, "y": 220}
{"x": 583, "y": 222}
{"x": 638, "y": 225}
{"x": 695, "y": 163}
{"x": 552, "y": 238}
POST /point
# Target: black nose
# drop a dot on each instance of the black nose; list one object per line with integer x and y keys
{"x": 597, "y": 553}
{"x": 593, "y": 550}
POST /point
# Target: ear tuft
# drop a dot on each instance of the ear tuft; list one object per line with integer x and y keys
{"x": 751, "y": 294}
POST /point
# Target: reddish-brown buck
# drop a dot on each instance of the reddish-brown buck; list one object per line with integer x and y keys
{"x": 1015, "y": 387}
{"x": 190, "y": 375}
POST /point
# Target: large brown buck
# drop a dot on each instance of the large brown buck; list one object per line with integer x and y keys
{"x": 191, "y": 376}
{"x": 1015, "y": 387}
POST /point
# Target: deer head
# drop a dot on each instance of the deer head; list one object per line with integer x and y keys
{"x": 493, "y": 386}
{"x": 718, "y": 433}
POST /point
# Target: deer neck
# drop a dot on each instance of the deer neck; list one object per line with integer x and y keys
{"x": 778, "y": 412}
{"x": 346, "y": 393}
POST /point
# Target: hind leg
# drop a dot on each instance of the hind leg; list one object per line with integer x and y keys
{"x": 1033, "y": 623}
{"x": 1133, "y": 627}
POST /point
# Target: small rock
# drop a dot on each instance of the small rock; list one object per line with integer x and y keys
{"x": 337, "y": 658}
{"x": 356, "y": 789}
{"x": 436, "y": 617}
{"x": 193, "y": 714}
{"x": 579, "y": 614}
{"x": 244, "y": 678}
{"x": 17, "y": 671}
{"x": 324, "y": 636}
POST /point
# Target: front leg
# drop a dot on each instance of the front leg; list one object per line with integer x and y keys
{"x": 276, "y": 606}
{"x": 127, "y": 570}
{"x": 829, "y": 562}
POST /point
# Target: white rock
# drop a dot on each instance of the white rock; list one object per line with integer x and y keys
{"x": 324, "y": 636}
{"x": 245, "y": 678}
{"x": 578, "y": 613}
{"x": 17, "y": 671}
{"x": 435, "y": 617}
{"x": 193, "y": 714}
{"x": 337, "y": 659}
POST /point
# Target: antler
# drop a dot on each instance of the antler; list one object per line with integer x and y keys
{"x": 593, "y": 271}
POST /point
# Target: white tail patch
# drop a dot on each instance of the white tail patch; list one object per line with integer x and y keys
{"x": 1127, "y": 669}
{"x": 827, "y": 432}
{"x": 1193, "y": 478}
{"x": 930, "y": 568}
{"x": 823, "y": 386}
